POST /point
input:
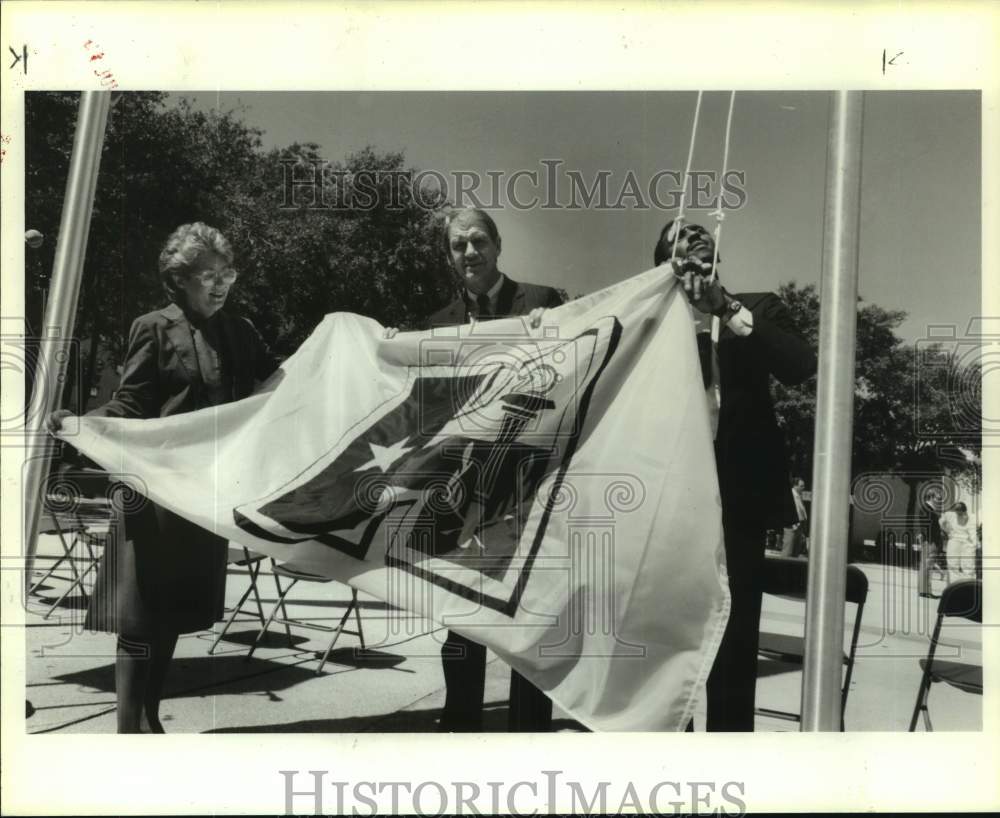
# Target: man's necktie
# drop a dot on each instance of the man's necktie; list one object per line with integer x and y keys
{"x": 483, "y": 307}
{"x": 705, "y": 353}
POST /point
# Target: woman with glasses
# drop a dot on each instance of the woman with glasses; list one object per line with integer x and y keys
{"x": 168, "y": 577}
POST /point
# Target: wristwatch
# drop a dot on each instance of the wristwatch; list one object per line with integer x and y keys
{"x": 732, "y": 307}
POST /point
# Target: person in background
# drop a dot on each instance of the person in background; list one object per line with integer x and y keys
{"x": 929, "y": 537}
{"x": 959, "y": 529}
{"x": 752, "y": 338}
{"x": 794, "y": 542}
{"x": 168, "y": 575}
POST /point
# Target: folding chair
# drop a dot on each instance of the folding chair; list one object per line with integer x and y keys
{"x": 84, "y": 525}
{"x": 242, "y": 556}
{"x": 960, "y": 599}
{"x": 788, "y": 577}
{"x": 76, "y": 508}
{"x": 297, "y": 575}
{"x": 49, "y": 523}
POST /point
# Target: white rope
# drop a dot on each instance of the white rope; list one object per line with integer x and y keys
{"x": 718, "y": 213}
{"x": 679, "y": 221}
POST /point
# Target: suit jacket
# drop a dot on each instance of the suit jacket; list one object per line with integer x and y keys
{"x": 932, "y": 517}
{"x": 750, "y": 447}
{"x": 514, "y": 298}
{"x": 161, "y": 375}
{"x": 167, "y": 571}
{"x": 530, "y": 708}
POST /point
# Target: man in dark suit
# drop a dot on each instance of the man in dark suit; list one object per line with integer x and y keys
{"x": 472, "y": 243}
{"x": 794, "y": 542}
{"x": 929, "y": 536}
{"x": 752, "y": 338}
{"x": 473, "y": 247}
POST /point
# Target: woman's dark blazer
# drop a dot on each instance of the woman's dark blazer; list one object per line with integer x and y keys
{"x": 169, "y": 573}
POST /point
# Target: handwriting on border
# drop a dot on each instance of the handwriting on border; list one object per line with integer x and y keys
{"x": 106, "y": 76}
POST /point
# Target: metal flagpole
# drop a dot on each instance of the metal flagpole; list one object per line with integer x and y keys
{"x": 821, "y": 681}
{"x": 60, "y": 310}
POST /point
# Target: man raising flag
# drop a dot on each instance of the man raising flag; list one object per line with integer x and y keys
{"x": 509, "y": 482}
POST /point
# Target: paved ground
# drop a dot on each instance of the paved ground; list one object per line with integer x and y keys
{"x": 396, "y": 685}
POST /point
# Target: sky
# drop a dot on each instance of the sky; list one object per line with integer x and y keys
{"x": 921, "y": 179}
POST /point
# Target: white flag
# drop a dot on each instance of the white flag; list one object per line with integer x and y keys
{"x": 550, "y": 493}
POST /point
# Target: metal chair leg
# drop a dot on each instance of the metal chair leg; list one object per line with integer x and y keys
{"x": 86, "y": 540}
{"x": 47, "y": 574}
{"x": 51, "y": 571}
{"x": 274, "y": 612}
{"x": 336, "y": 634}
{"x": 76, "y": 583}
{"x": 230, "y": 620}
{"x": 921, "y": 705}
{"x": 254, "y": 571}
{"x": 357, "y": 616}
{"x": 281, "y": 602}
{"x": 67, "y": 555}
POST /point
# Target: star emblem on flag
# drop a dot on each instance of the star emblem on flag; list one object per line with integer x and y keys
{"x": 384, "y": 456}
{"x": 443, "y": 477}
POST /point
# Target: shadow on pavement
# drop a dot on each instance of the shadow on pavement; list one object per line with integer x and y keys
{"x": 363, "y": 604}
{"x": 407, "y": 721}
{"x": 190, "y": 676}
{"x": 374, "y": 659}
{"x": 71, "y": 603}
{"x": 775, "y": 667}
{"x": 402, "y": 721}
{"x": 276, "y": 638}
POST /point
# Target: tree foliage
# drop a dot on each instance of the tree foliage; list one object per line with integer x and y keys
{"x": 329, "y": 249}
{"x": 308, "y": 255}
{"x": 164, "y": 165}
{"x": 917, "y": 408}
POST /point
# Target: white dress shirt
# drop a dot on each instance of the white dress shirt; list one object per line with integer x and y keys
{"x": 493, "y": 293}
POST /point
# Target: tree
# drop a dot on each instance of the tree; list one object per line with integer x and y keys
{"x": 327, "y": 251}
{"x": 160, "y": 167}
{"x": 917, "y": 409}
{"x": 163, "y": 166}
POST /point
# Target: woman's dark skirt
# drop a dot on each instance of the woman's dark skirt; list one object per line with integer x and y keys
{"x": 165, "y": 574}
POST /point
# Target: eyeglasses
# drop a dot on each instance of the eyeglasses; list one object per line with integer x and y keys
{"x": 209, "y": 277}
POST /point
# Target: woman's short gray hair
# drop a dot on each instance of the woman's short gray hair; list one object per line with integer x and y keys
{"x": 186, "y": 245}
